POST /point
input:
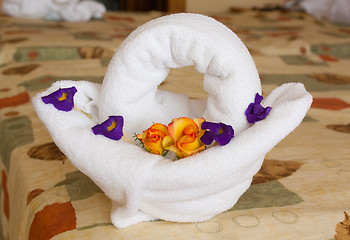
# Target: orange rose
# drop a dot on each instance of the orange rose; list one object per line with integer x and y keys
{"x": 152, "y": 138}
{"x": 184, "y": 136}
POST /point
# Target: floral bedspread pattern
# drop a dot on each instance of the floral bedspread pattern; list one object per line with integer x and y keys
{"x": 301, "y": 191}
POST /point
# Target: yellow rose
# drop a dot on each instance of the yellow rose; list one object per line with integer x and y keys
{"x": 184, "y": 136}
{"x": 152, "y": 138}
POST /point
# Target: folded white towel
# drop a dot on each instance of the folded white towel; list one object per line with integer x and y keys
{"x": 144, "y": 186}
{"x": 68, "y": 10}
{"x": 334, "y": 10}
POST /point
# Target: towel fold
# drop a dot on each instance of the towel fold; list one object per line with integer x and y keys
{"x": 67, "y": 10}
{"x": 144, "y": 186}
{"x": 333, "y": 10}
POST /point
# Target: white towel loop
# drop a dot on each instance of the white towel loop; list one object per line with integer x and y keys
{"x": 143, "y": 60}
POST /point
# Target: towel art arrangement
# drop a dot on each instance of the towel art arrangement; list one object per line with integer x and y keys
{"x": 93, "y": 124}
{"x": 67, "y": 10}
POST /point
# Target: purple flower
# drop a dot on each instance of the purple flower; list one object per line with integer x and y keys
{"x": 219, "y": 132}
{"x": 111, "y": 128}
{"x": 255, "y": 112}
{"x": 62, "y": 99}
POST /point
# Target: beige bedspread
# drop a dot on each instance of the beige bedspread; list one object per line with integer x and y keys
{"x": 301, "y": 192}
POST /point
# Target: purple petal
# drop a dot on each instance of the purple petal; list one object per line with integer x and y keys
{"x": 111, "y": 128}
{"x": 228, "y": 129}
{"x": 213, "y": 127}
{"x": 258, "y": 109}
{"x": 251, "y": 118}
{"x": 66, "y": 104}
{"x": 207, "y": 138}
{"x": 258, "y": 98}
{"x": 219, "y": 132}
{"x": 268, "y": 109}
{"x": 223, "y": 139}
{"x": 255, "y": 112}
{"x": 249, "y": 109}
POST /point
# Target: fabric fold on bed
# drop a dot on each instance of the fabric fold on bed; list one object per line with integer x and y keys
{"x": 67, "y": 10}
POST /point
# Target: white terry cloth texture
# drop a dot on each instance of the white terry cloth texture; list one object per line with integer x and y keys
{"x": 144, "y": 186}
{"x": 67, "y": 10}
{"x": 333, "y": 10}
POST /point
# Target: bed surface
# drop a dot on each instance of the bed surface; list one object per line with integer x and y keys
{"x": 301, "y": 192}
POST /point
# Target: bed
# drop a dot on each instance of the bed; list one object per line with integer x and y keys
{"x": 301, "y": 192}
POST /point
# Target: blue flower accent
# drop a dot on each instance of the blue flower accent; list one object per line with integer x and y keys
{"x": 111, "y": 128}
{"x": 255, "y": 112}
{"x": 62, "y": 99}
{"x": 219, "y": 132}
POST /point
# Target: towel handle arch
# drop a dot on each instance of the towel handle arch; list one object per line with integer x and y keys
{"x": 145, "y": 57}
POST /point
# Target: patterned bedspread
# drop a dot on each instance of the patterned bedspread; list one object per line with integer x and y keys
{"x": 301, "y": 191}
